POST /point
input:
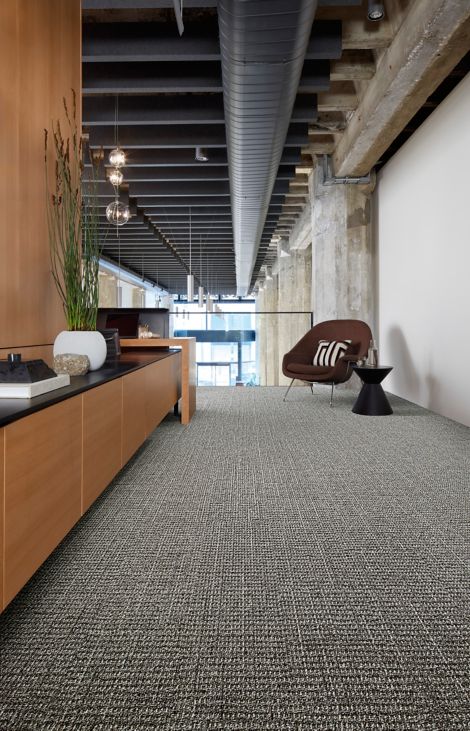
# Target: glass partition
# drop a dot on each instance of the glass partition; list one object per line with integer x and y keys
{"x": 237, "y": 345}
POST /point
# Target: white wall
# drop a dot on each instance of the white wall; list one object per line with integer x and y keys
{"x": 422, "y": 209}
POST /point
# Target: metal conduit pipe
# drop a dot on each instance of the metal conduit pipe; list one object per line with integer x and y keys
{"x": 329, "y": 179}
{"x": 263, "y": 45}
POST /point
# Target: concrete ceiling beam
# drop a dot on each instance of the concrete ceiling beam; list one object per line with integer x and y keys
{"x": 431, "y": 40}
{"x": 354, "y": 65}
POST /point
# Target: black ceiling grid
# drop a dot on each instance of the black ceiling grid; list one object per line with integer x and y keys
{"x": 170, "y": 101}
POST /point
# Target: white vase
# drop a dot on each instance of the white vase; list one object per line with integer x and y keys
{"x": 82, "y": 342}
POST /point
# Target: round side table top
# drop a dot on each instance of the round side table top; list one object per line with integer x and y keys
{"x": 372, "y": 374}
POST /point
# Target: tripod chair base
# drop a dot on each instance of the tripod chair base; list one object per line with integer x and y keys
{"x": 311, "y": 390}
{"x": 288, "y": 389}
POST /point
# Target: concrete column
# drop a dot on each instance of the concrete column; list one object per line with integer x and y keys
{"x": 136, "y": 297}
{"x": 342, "y": 254}
{"x": 108, "y": 291}
{"x": 261, "y": 338}
{"x": 271, "y": 328}
{"x": 329, "y": 270}
{"x": 295, "y": 281}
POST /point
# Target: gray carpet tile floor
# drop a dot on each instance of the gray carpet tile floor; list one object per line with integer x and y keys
{"x": 270, "y": 567}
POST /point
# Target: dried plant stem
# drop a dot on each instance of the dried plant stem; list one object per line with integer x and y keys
{"x": 72, "y": 217}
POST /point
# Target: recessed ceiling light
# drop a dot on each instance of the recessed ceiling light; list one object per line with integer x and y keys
{"x": 375, "y": 11}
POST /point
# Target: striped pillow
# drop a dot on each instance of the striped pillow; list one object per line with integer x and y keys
{"x": 328, "y": 352}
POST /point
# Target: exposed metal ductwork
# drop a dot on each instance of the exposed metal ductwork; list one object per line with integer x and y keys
{"x": 263, "y": 45}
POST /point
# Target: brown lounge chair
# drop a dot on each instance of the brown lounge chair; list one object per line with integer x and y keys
{"x": 298, "y": 362}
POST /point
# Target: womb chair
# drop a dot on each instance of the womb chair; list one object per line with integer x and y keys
{"x": 298, "y": 362}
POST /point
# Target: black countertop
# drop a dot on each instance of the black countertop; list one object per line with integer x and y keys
{"x": 12, "y": 409}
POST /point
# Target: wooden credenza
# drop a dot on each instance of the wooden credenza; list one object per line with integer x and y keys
{"x": 55, "y": 462}
{"x": 188, "y": 366}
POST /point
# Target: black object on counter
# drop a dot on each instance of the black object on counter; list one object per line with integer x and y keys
{"x": 14, "y": 370}
{"x": 111, "y": 335}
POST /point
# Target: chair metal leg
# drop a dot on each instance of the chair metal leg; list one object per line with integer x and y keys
{"x": 311, "y": 388}
{"x": 288, "y": 389}
{"x": 331, "y": 395}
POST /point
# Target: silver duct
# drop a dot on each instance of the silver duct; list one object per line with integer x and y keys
{"x": 263, "y": 45}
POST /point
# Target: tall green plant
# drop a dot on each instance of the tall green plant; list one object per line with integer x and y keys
{"x": 72, "y": 216}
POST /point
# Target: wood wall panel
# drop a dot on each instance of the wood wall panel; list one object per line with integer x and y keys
{"x": 40, "y": 61}
{"x": 102, "y": 425}
{"x": 43, "y": 477}
{"x": 31, "y": 353}
{"x": 2, "y": 500}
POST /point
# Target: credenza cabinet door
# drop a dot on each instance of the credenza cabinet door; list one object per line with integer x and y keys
{"x": 162, "y": 389}
{"x": 134, "y": 427}
{"x": 43, "y": 475}
{"x": 102, "y": 433}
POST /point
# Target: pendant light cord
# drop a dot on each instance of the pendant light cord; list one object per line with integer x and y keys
{"x": 116, "y": 140}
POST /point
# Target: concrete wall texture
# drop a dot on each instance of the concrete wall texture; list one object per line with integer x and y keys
{"x": 329, "y": 271}
{"x": 423, "y": 244}
{"x": 342, "y": 252}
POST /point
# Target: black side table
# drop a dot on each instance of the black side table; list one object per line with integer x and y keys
{"x": 372, "y": 400}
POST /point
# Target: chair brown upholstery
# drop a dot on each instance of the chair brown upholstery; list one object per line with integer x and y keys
{"x": 297, "y": 364}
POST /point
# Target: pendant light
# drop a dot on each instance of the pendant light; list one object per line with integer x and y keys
{"x": 117, "y": 157}
{"x": 190, "y": 277}
{"x": 115, "y": 177}
{"x": 119, "y": 283}
{"x": 117, "y": 213}
{"x": 200, "y": 289}
{"x": 208, "y": 294}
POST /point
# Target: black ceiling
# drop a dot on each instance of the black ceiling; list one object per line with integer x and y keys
{"x": 169, "y": 92}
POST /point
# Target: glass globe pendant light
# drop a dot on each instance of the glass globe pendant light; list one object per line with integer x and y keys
{"x": 117, "y": 213}
{"x": 115, "y": 177}
{"x": 117, "y": 157}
